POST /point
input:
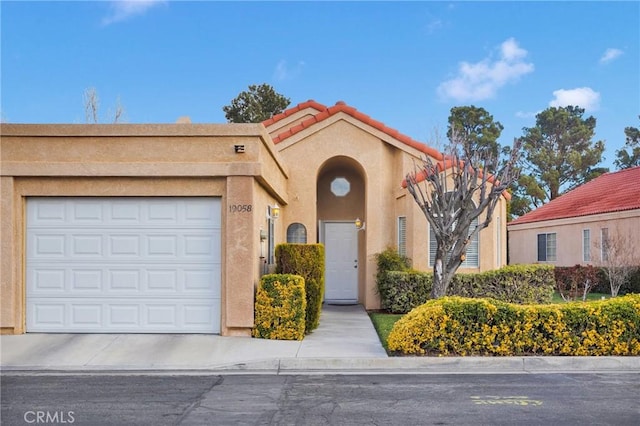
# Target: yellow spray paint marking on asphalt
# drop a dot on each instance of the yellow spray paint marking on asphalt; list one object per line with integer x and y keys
{"x": 505, "y": 400}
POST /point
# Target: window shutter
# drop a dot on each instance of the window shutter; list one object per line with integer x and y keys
{"x": 472, "y": 256}
{"x": 402, "y": 236}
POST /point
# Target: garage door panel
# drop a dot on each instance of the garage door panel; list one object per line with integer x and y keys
{"x": 125, "y": 211}
{"x": 123, "y": 264}
{"x": 124, "y": 281}
{"x": 115, "y": 316}
{"x": 157, "y": 245}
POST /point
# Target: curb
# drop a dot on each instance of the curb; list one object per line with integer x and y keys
{"x": 353, "y": 366}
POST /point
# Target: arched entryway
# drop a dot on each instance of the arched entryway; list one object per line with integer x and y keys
{"x": 340, "y": 201}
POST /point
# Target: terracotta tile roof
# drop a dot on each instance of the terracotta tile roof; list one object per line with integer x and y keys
{"x": 610, "y": 192}
{"x": 340, "y": 106}
{"x": 309, "y": 104}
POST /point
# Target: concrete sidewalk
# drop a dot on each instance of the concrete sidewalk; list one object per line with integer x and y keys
{"x": 345, "y": 343}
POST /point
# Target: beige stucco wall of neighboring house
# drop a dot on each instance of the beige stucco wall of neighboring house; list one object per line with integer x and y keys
{"x": 142, "y": 160}
{"x": 569, "y": 237}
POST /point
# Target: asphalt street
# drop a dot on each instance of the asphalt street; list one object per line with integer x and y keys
{"x": 460, "y": 399}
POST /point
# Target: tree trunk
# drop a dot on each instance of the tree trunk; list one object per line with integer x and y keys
{"x": 438, "y": 289}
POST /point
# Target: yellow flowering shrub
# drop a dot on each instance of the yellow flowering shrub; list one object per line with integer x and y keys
{"x": 463, "y": 326}
{"x": 280, "y": 307}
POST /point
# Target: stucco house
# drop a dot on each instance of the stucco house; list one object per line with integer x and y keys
{"x": 570, "y": 230}
{"x": 167, "y": 228}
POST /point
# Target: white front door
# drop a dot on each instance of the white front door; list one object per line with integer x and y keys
{"x": 341, "y": 262}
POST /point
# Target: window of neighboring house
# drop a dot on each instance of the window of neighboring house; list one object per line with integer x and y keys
{"x": 604, "y": 244}
{"x": 472, "y": 256}
{"x": 547, "y": 247}
{"x": 297, "y": 233}
{"x": 402, "y": 235}
{"x": 586, "y": 245}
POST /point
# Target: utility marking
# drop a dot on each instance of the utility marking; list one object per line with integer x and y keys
{"x": 505, "y": 400}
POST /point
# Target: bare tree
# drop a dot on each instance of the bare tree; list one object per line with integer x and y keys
{"x": 618, "y": 259}
{"x": 118, "y": 114}
{"x": 454, "y": 192}
{"x": 92, "y": 106}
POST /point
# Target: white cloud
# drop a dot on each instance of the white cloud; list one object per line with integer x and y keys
{"x": 122, "y": 10}
{"x": 584, "y": 97}
{"x": 434, "y": 25}
{"x": 523, "y": 114}
{"x": 610, "y": 54}
{"x": 481, "y": 80}
{"x": 284, "y": 72}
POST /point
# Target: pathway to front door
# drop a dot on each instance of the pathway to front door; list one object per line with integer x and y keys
{"x": 341, "y": 252}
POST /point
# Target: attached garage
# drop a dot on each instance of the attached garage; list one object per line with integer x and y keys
{"x": 123, "y": 264}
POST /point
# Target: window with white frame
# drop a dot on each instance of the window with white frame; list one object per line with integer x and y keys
{"x": 472, "y": 255}
{"x": 402, "y": 235}
{"x": 586, "y": 245}
{"x": 604, "y": 244}
{"x": 547, "y": 247}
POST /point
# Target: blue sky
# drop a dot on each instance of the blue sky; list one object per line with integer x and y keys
{"x": 403, "y": 63}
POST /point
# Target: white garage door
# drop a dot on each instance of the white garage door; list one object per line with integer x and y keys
{"x": 123, "y": 265}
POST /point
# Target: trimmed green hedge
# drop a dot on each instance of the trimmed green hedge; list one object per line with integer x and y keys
{"x": 462, "y": 326}
{"x": 401, "y": 291}
{"x": 280, "y": 307}
{"x": 513, "y": 284}
{"x": 306, "y": 260}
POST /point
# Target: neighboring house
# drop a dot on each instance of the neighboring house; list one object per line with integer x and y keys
{"x": 168, "y": 227}
{"x": 570, "y": 230}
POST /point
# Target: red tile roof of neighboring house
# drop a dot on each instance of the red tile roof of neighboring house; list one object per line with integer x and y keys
{"x": 326, "y": 112}
{"x": 610, "y": 192}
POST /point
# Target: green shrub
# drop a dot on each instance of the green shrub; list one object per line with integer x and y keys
{"x": 306, "y": 260}
{"x": 632, "y": 285}
{"x": 462, "y": 326}
{"x": 402, "y": 291}
{"x": 391, "y": 260}
{"x": 280, "y": 307}
{"x": 513, "y": 284}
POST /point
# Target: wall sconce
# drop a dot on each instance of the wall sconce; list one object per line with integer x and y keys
{"x": 360, "y": 225}
{"x": 239, "y": 149}
{"x": 273, "y": 212}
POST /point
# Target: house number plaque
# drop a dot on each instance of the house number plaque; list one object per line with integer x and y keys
{"x": 240, "y": 208}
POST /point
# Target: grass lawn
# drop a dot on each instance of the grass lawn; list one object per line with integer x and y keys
{"x": 591, "y": 296}
{"x": 383, "y": 323}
